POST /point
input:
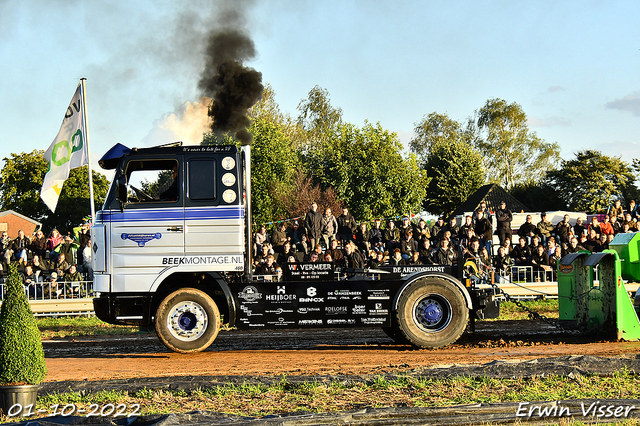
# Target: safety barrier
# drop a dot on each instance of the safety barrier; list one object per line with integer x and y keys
{"x": 60, "y": 298}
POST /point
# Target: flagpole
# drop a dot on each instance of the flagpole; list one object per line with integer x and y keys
{"x": 86, "y": 130}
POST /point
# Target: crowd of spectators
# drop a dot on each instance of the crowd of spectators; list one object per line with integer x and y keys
{"x": 323, "y": 237}
{"x": 51, "y": 267}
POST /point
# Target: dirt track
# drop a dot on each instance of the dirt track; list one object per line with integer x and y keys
{"x": 311, "y": 352}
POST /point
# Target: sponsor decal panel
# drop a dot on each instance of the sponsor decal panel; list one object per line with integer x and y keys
{"x": 250, "y": 294}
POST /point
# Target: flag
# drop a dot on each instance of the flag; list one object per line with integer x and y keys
{"x": 67, "y": 151}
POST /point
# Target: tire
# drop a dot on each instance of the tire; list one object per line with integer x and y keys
{"x": 187, "y": 321}
{"x": 432, "y": 313}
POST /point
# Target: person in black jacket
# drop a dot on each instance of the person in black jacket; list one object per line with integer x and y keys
{"x": 528, "y": 229}
{"x": 313, "y": 225}
{"x": 346, "y": 226}
{"x": 408, "y": 246}
{"x": 504, "y": 218}
{"x": 521, "y": 253}
{"x": 375, "y": 237}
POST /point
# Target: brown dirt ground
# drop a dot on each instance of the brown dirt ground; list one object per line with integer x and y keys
{"x": 310, "y": 352}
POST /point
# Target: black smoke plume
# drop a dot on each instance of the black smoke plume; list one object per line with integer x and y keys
{"x": 234, "y": 87}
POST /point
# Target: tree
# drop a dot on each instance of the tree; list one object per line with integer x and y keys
{"x": 513, "y": 153}
{"x": 541, "y": 197}
{"x": 366, "y": 168}
{"x": 317, "y": 117}
{"x": 22, "y": 177}
{"x": 592, "y": 180}
{"x": 456, "y": 172}
{"x": 432, "y": 129}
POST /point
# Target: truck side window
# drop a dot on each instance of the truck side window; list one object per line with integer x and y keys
{"x": 153, "y": 181}
{"x": 202, "y": 179}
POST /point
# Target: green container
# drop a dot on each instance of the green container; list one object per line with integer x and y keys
{"x": 573, "y": 279}
{"x": 628, "y": 248}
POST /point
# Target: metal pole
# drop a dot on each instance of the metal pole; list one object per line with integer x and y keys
{"x": 86, "y": 129}
{"x": 246, "y": 150}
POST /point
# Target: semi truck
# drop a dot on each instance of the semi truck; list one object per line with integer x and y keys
{"x": 172, "y": 248}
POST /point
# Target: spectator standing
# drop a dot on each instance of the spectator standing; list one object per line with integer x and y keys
{"x": 545, "y": 228}
{"x": 313, "y": 225}
{"x": 346, "y": 225}
{"x": 483, "y": 228}
{"x": 504, "y": 218}
{"x": 562, "y": 229}
{"x": 329, "y": 227}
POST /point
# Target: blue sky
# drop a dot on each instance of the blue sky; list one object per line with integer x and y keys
{"x": 574, "y": 66}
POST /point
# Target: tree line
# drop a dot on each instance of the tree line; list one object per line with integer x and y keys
{"x": 317, "y": 156}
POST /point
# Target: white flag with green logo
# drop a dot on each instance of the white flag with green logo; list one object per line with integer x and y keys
{"x": 68, "y": 151}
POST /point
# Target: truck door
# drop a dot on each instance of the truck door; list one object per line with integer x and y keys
{"x": 149, "y": 231}
{"x": 214, "y": 210}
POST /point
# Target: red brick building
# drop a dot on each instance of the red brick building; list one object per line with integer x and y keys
{"x": 12, "y": 222}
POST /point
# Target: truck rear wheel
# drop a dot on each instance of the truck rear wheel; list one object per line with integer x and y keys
{"x": 432, "y": 313}
{"x": 187, "y": 321}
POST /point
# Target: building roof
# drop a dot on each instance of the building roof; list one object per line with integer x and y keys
{"x": 23, "y": 217}
{"x": 492, "y": 194}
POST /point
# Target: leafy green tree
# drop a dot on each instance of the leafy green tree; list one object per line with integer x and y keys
{"x": 366, "y": 168}
{"x": 513, "y": 153}
{"x": 318, "y": 117}
{"x": 592, "y": 180}
{"x": 273, "y": 166}
{"x": 540, "y": 197}
{"x": 22, "y": 177}
{"x": 456, "y": 172}
{"x": 432, "y": 129}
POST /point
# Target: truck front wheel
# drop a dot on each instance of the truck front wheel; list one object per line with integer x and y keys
{"x": 187, "y": 321}
{"x": 432, "y": 313}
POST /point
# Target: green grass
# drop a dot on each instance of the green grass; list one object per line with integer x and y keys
{"x": 287, "y": 397}
{"x": 546, "y": 307}
{"x": 51, "y": 327}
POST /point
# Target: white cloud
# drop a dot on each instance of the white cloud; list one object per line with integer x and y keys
{"x": 629, "y": 103}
